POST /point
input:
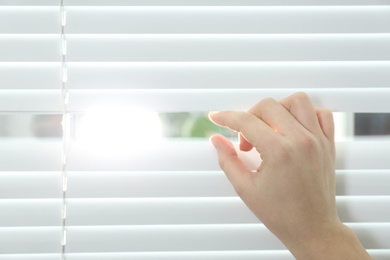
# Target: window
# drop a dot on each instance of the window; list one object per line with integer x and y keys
{"x": 171, "y": 201}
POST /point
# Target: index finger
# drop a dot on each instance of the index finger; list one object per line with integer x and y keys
{"x": 258, "y": 133}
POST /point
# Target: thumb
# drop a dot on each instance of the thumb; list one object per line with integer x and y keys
{"x": 235, "y": 170}
{"x": 244, "y": 144}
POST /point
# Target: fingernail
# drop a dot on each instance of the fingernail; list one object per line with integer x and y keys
{"x": 211, "y": 114}
{"x": 215, "y": 142}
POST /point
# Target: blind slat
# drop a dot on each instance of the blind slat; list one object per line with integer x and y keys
{"x": 187, "y": 100}
{"x": 193, "y": 255}
{"x": 165, "y": 238}
{"x": 380, "y": 254}
{"x": 197, "y": 75}
{"x": 31, "y": 240}
{"x": 201, "y": 19}
{"x": 165, "y": 47}
{"x": 166, "y": 211}
{"x": 29, "y": 75}
{"x": 249, "y": 19}
{"x": 169, "y": 156}
{"x": 228, "y": 75}
{"x": 29, "y": 20}
{"x": 296, "y": 47}
{"x": 47, "y": 185}
{"x": 194, "y": 2}
{"x": 29, "y": 48}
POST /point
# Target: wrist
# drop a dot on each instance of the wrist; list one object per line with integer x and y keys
{"x": 333, "y": 241}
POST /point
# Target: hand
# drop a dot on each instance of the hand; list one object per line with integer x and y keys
{"x": 293, "y": 190}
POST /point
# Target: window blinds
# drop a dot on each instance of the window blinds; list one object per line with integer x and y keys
{"x": 171, "y": 201}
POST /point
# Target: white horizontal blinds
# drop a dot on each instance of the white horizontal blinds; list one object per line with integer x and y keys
{"x": 170, "y": 56}
{"x": 296, "y": 46}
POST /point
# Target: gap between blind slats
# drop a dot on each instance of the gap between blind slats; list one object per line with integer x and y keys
{"x": 165, "y": 238}
{"x": 46, "y": 185}
{"x": 167, "y": 211}
{"x": 196, "y": 75}
{"x": 189, "y": 100}
{"x": 194, "y": 47}
{"x": 168, "y": 156}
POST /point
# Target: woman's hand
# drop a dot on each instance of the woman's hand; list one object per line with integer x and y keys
{"x": 293, "y": 190}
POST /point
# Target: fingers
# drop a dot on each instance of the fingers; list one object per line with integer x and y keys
{"x": 276, "y": 116}
{"x": 255, "y": 131}
{"x": 300, "y": 106}
{"x": 325, "y": 119}
{"x": 234, "y": 169}
{"x": 268, "y": 120}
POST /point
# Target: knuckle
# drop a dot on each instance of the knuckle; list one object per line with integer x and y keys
{"x": 267, "y": 101}
{"x": 266, "y": 104}
{"x": 262, "y": 105}
{"x": 298, "y": 99}
{"x": 309, "y": 143}
{"x": 264, "y": 108}
{"x": 295, "y": 100}
{"x": 301, "y": 96}
{"x": 306, "y": 144}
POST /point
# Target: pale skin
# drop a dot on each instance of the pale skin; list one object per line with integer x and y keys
{"x": 293, "y": 190}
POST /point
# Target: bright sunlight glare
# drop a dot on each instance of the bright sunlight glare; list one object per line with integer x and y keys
{"x": 119, "y": 128}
